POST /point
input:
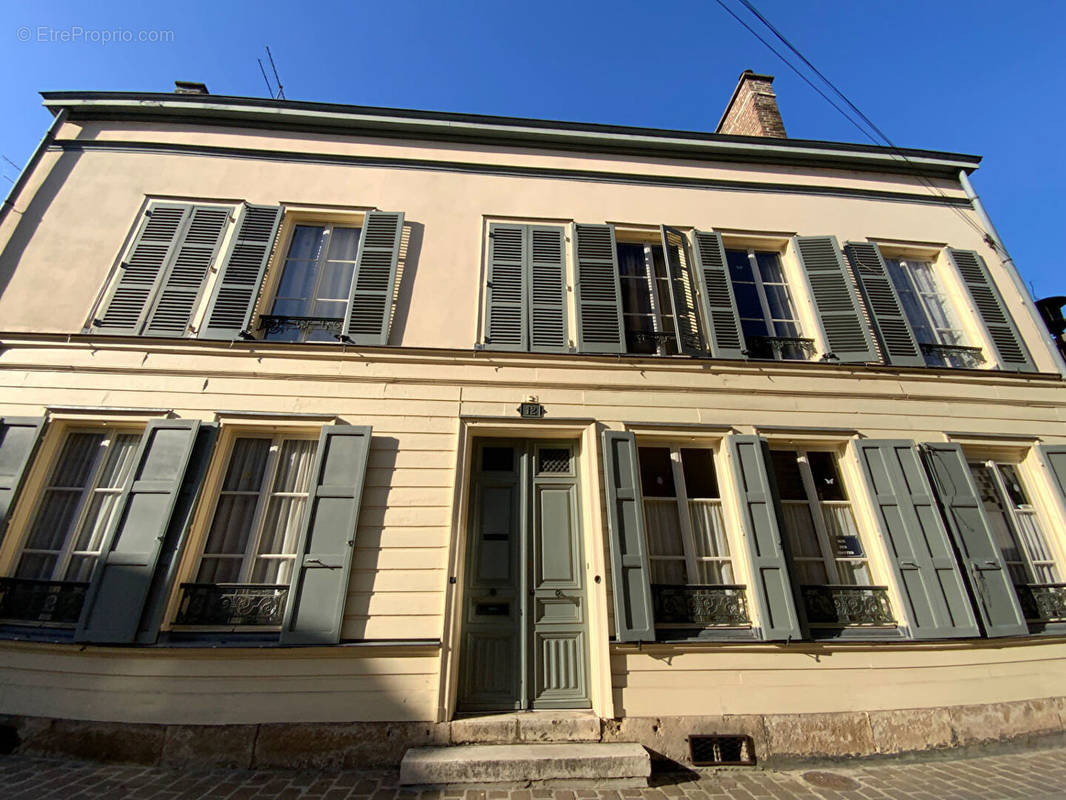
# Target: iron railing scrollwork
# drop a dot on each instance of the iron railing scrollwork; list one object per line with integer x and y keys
{"x": 1043, "y": 602}
{"x": 791, "y": 348}
{"x": 839, "y": 605}
{"x": 30, "y": 600}
{"x": 724, "y": 605}
{"x": 274, "y": 324}
{"x": 954, "y": 355}
{"x": 232, "y": 604}
{"x": 662, "y": 339}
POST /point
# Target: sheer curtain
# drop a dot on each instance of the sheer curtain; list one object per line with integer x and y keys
{"x": 712, "y": 546}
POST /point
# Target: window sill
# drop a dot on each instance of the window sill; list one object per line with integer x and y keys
{"x": 857, "y": 633}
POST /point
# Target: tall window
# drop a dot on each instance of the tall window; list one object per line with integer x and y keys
{"x": 77, "y": 505}
{"x": 927, "y": 308}
{"x": 764, "y": 302}
{"x": 647, "y": 299}
{"x": 315, "y": 283}
{"x": 253, "y": 534}
{"x": 687, "y": 541}
{"x": 1015, "y": 526}
{"x": 819, "y": 523}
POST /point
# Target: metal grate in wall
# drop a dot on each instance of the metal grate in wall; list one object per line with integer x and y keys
{"x": 722, "y": 751}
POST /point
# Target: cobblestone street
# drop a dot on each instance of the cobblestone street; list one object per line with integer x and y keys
{"x": 1034, "y": 773}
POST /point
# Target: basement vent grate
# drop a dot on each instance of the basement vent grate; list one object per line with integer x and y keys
{"x": 722, "y": 751}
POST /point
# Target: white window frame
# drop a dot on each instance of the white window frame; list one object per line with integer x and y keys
{"x": 764, "y": 304}
{"x": 906, "y": 268}
{"x": 653, "y": 292}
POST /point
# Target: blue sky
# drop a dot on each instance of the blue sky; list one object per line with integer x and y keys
{"x": 973, "y": 76}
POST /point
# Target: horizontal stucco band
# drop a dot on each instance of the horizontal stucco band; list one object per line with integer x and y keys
{"x": 597, "y": 176}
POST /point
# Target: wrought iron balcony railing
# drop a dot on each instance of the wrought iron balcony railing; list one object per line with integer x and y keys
{"x": 1043, "y": 602}
{"x": 230, "y": 604}
{"x": 790, "y": 348}
{"x": 709, "y": 606}
{"x": 662, "y": 339}
{"x": 838, "y": 605}
{"x": 53, "y": 602}
{"x": 273, "y": 324}
{"x": 954, "y": 355}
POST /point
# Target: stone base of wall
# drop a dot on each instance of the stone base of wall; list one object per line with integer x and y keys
{"x": 778, "y": 738}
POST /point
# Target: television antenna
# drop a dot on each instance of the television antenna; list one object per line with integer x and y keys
{"x": 280, "y": 93}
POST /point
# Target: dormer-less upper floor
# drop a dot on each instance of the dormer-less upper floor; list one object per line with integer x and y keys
{"x": 238, "y": 220}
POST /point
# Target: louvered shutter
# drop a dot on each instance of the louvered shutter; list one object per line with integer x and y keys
{"x": 319, "y": 587}
{"x": 369, "y": 313}
{"x": 981, "y": 560}
{"x": 186, "y": 275}
{"x": 139, "y": 275}
{"x": 547, "y": 289}
{"x": 919, "y": 551}
{"x": 1010, "y": 348}
{"x": 771, "y": 589}
{"x": 894, "y": 334}
{"x": 599, "y": 297}
{"x": 18, "y": 439}
{"x": 634, "y": 619}
{"x": 233, "y": 299}
{"x": 686, "y": 320}
{"x": 507, "y": 288}
{"x": 718, "y": 304}
{"x": 133, "y": 542}
{"x": 835, "y": 300}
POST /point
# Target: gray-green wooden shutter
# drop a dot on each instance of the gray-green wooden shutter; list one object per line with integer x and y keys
{"x": 369, "y": 313}
{"x": 177, "y": 531}
{"x": 132, "y": 545}
{"x": 18, "y": 439}
{"x": 547, "y": 289}
{"x": 682, "y": 290}
{"x": 634, "y": 619}
{"x": 599, "y": 296}
{"x": 919, "y": 551}
{"x": 319, "y": 586}
{"x": 835, "y": 300}
{"x": 893, "y": 330}
{"x": 233, "y": 298}
{"x": 718, "y": 304}
{"x": 159, "y": 231}
{"x": 1055, "y": 458}
{"x": 771, "y": 588}
{"x": 507, "y": 289}
{"x": 1010, "y": 347}
{"x": 185, "y": 276}
{"x": 981, "y": 560}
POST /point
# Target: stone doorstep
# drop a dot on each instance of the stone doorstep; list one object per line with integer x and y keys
{"x": 624, "y": 765}
{"x": 526, "y": 726}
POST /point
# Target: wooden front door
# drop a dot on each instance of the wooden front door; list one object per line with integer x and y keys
{"x": 525, "y": 636}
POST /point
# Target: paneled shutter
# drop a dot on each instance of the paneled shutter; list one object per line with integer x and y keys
{"x": 134, "y": 540}
{"x": 507, "y": 289}
{"x": 18, "y": 438}
{"x": 716, "y": 297}
{"x": 919, "y": 551}
{"x": 682, "y": 290}
{"x": 634, "y": 619}
{"x": 835, "y": 300}
{"x": 319, "y": 587}
{"x": 599, "y": 297}
{"x": 1010, "y": 348}
{"x": 369, "y": 313}
{"x": 186, "y": 274}
{"x": 1054, "y": 455}
{"x": 547, "y": 289}
{"x": 771, "y": 588}
{"x": 898, "y": 345}
{"x": 230, "y": 310}
{"x": 177, "y": 531}
{"x": 160, "y": 230}
{"x": 981, "y": 560}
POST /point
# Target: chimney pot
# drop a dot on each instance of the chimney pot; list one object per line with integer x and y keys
{"x": 752, "y": 110}
{"x": 190, "y": 87}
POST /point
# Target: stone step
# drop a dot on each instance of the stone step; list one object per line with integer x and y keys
{"x": 580, "y": 764}
{"x": 527, "y": 726}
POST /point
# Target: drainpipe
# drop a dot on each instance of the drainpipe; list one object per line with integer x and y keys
{"x": 1012, "y": 270}
{"x": 24, "y": 176}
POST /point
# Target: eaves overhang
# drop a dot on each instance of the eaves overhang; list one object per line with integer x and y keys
{"x": 251, "y": 112}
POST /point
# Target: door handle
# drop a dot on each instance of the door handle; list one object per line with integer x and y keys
{"x": 558, "y": 592}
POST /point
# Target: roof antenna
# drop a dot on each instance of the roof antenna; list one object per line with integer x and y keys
{"x": 270, "y": 89}
{"x": 277, "y": 78}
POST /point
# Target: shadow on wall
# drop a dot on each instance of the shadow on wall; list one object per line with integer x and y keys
{"x": 30, "y": 216}
{"x": 407, "y": 266}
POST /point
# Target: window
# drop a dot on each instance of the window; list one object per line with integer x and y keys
{"x": 764, "y": 303}
{"x": 647, "y": 299}
{"x": 77, "y": 505}
{"x": 930, "y": 314}
{"x": 315, "y": 284}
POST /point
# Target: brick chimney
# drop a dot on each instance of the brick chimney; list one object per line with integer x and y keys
{"x": 190, "y": 87}
{"x": 752, "y": 110}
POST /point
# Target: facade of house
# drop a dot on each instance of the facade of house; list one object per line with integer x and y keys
{"x": 328, "y": 421}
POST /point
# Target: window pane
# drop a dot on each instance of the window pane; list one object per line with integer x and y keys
{"x": 344, "y": 244}
{"x": 924, "y": 279}
{"x": 294, "y": 465}
{"x": 246, "y": 465}
{"x": 786, "y": 470}
{"x": 770, "y": 267}
{"x": 827, "y": 480}
{"x": 1015, "y": 490}
{"x": 282, "y": 525}
{"x": 119, "y": 464}
{"x": 97, "y": 518}
{"x": 307, "y": 242}
{"x": 56, "y": 516}
{"x": 663, "y": 528}
{"x": 232, "y": 524}
{"x": 698, "y": 468}
{"x": 636, "y": 296}
{"x": 799, "y": 527}
{"x": 77, "y": 459}
{"x": 747, "y": 300}
{"x": 336, "y": 283}
{"x": 739, "y": 265}
{"x": 788, "y": 330}
{"x": 708, "y": 529}
{"x": 854, "y": 573}
{"x": 272, "y": 570}
{"x": 36, "y": 566}
{"x": 656, "y": 472}
{"x": 298, "y": 279}
{"x": 779, "y": 301}
{"x": 631, "y": 261}
{"x": 753, "y": 327}
{"x": 219, "y": 570}
{"x": 670, "y": 571}
{"x": 715, "y": 572}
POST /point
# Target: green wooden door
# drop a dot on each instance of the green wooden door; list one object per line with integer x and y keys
{"x": 524, "y": 641}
